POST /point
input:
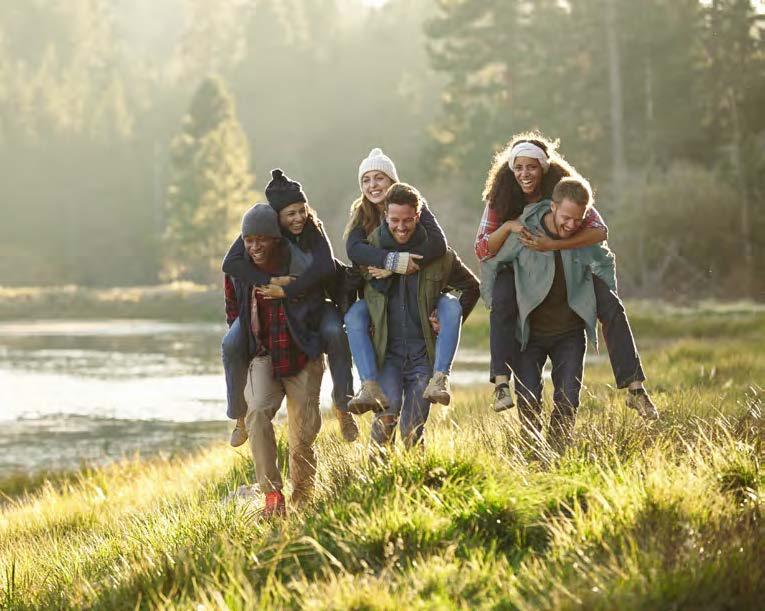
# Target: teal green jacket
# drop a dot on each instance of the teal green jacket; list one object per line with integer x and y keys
{"x": 534, "y": 273}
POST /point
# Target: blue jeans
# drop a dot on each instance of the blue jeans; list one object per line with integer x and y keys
{"x": 235, "y": 366}
{"x": 403, "y": 380}
{"x": 335, "y": 344}
{"x": 357, "y": 324}
{"x": 503, "y": 319}
{"x": 566, "y": 351}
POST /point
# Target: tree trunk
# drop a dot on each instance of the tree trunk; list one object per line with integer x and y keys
{"x": 617, "y": 106}
{"x": 738, "y": 165}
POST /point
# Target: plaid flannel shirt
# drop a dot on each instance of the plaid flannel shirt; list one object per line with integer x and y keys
{"x": 269, "y": 325}
{"x": 490, "y": 222}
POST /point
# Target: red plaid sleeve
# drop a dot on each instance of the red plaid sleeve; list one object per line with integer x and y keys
{"x": 232, "y": 305}
{"x": 287, "y": 359}
{"x": 593, "y": 220}
{"x": 490, "y": 222}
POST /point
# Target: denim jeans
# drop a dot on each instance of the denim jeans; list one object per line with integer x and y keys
{"x": 335, "y": 344}
{"x": 503, "y": 319}
{"x": 403, "y": 380}
{"x": 235, "y": 365}
{"x": 357, "y": 324}
{"x": 620, "y": 343}
{"x": 566, "y": 351}
{"x": 450, "y": 320}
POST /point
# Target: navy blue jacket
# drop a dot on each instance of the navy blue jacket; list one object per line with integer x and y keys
{"x": 303, "y": 313}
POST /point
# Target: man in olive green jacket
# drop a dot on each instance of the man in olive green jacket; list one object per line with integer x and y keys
{"x": 401, "y": 309}
{"x": 556, "y": 304}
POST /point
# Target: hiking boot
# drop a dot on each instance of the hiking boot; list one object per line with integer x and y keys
{"x": 348, "y": 427}
{"x": 369, "y": 397}
{"x": 503, "y": 398}
{"x": 438, "y": 390}
{"x": 275, "y": 505}
{"x": 639, "y": 400}
{"x": 239, "y": 434}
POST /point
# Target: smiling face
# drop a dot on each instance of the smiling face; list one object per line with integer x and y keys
{"x": 567, "y": 217}
{"x": 293, "y": 217}
{"x": 528, "y": 173}
{"x": 402, "y": 220}
{"x": 374, "y": 186}
{"x": 260, "y": 248}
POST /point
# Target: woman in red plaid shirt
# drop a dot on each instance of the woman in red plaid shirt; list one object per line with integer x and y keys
{"x": 525, "y": 172}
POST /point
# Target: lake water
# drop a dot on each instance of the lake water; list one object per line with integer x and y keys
{"x": 74, "y": 392}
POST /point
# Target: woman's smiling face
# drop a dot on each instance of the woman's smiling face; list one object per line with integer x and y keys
{"x": 293, "y": 218}
{"x": 374, "y": 186}
{"x": 528, "y": 173}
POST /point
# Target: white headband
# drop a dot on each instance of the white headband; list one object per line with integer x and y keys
{"x": 529, "y": 149}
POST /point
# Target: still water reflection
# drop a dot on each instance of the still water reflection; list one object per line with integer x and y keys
{"x": 91, "y": 391}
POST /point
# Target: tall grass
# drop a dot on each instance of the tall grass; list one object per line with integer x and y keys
{"x": 632, "y": 516}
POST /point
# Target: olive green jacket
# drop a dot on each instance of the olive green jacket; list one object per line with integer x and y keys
{"x": 444, "y": 273}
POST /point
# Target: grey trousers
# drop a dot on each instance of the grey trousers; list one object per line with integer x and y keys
{"x": 264, "y": 396}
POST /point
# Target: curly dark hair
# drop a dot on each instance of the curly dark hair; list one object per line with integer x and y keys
{"x": 502, "y": 191}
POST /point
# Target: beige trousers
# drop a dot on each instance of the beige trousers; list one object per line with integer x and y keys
{"x": 264, "y": 396}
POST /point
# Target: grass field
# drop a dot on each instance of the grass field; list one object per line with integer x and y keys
{"x": 632, "y": 517}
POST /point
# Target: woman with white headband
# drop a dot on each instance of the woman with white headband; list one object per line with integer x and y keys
{"x": 525, "y": 172}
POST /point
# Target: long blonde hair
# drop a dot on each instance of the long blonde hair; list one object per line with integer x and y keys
{"x": 363, "y": 214}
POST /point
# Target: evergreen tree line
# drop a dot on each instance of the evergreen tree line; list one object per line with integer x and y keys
{"x": 658, "y": 102}
{"x": 133, "y": 135}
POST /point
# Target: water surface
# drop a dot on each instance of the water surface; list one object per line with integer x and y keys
{"x": 74, "y": 392}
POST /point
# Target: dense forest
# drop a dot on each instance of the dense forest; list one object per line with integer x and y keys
{"x": 133, "y": 133}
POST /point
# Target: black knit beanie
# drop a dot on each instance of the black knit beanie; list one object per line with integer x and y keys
{"x": 281, "y": 191}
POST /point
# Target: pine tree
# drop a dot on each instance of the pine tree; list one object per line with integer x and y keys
{"x": 736, "y": 73}
{"x": 211, "y": 184}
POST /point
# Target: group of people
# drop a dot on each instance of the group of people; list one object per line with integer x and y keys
{"x": 546, "y": 274}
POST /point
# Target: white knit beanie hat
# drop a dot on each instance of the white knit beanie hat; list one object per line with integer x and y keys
{"x": 377, "y": 160}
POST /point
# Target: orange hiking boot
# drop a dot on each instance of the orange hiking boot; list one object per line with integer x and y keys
{"x": 275, "y": 505}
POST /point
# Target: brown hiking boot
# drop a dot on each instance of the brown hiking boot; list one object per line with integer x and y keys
{"x": 239, "y": 434}
{"x": 370, "y": 397}
{"x": 348, "y": 427}
{"x": 639, "y": 400}
{"x": 438, "y": 390}
{"x": 503, "y": 398}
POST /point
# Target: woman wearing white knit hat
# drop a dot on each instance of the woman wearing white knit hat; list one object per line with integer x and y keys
{"x": 376, "y": 174}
